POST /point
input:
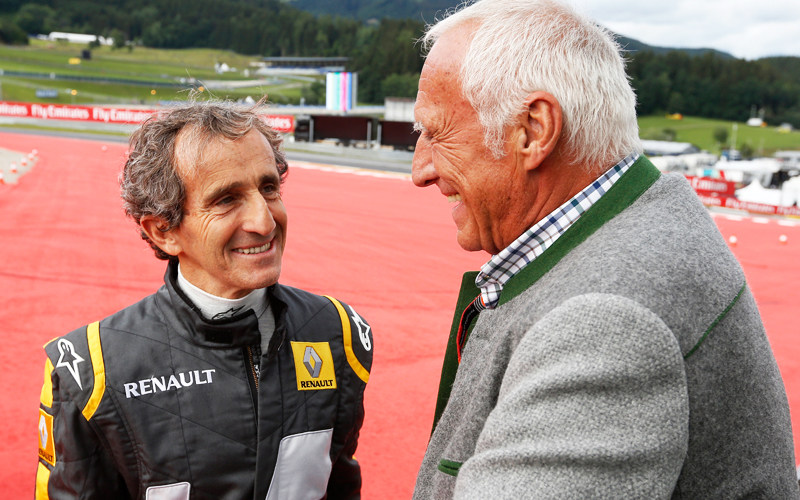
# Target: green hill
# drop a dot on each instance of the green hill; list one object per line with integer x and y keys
{"x": 140, "y": 76}
{"x": 760, "y": 141}
{"x": 693, "y": 82}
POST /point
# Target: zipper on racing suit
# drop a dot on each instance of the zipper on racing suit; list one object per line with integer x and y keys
{"x": 252, "y": 373}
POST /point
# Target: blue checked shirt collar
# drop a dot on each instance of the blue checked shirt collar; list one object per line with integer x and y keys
{"x": 533, "y": 242}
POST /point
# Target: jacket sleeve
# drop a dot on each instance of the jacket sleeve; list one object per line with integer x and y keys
{"x": 593, "y": 403}
{"x": 72, "y": 460}
{"x": 345, "y": 479}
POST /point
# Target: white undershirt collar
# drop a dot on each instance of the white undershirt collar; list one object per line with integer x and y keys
{"x": 213, "y": 307}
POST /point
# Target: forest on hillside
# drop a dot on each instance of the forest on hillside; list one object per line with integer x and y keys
{"x": 366, "y": 10}
{"x": 384, "y": 52}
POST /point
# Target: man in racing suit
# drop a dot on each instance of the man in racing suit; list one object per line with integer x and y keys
{"x": 224, "y": 384}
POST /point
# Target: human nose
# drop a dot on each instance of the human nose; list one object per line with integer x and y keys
{"x": 422, "y": 171}
{"x": 258, "y": 216}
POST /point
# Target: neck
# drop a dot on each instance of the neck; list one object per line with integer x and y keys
{"x": 214, "y": 307}
{"x": 557, "y": 182}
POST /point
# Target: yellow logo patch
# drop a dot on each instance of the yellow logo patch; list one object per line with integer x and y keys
{"x": 313, "y": 364}
{"x": 47, "y": 447}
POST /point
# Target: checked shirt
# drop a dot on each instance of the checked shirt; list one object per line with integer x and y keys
{"x": 533, "y": 242}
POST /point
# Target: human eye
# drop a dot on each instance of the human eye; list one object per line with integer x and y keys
{"x": 225, "y": 200}
{"x": 270, "y": 191}
{"x": 424, "y": 132}
{"x": 427, "y": 135}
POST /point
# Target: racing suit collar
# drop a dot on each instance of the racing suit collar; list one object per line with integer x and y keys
{"x": 239, "y": 330}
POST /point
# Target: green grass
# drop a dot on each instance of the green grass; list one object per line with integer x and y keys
{"x": 134, "y": 74}
{"x": 700, "y": 132}
{"x": 161, "y": 70}
{"x": 141, "y": 62}
{"x": 24, "y": 90}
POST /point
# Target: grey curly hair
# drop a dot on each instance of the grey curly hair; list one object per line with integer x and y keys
{"x": 150, "y": 182}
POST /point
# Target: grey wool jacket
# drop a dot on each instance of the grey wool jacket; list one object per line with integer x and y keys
{"x": 627, "y": 361}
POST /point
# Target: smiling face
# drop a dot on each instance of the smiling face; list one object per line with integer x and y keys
{"x": 486, "y": 192}
{"x": 231, "y": 238}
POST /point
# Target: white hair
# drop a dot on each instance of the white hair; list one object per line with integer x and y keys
{"x": 523, "y": 46}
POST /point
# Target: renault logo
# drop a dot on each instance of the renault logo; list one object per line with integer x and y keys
{"x": 314, "y": 368}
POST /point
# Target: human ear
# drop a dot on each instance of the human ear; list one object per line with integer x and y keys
{"x": 156, "y": 229}
{"x": 542, "y": 122}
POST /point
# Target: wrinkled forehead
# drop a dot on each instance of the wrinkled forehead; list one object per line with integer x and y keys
{"x": 448, "y": 52}
{"x": 440, "y": 98}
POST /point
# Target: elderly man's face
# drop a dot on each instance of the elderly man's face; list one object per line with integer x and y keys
{"x": 231, "y": 239}
{"x": 450, "y": 153}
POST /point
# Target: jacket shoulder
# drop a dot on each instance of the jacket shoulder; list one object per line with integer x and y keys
{"x": 77, "y": 367}
{"x": 310, "y": 311}
{"x": 78, "y": 359}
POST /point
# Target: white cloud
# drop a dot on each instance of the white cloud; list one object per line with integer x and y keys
{"x": 744, "y": 28}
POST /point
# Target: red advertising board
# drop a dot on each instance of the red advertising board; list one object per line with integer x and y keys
{"x": 712, "y": 187}
{"x": 281, "y": 123}
{"x": 747, "y": 206}
{"x": 105, "y": 114}
{"x": 722, "y": 193}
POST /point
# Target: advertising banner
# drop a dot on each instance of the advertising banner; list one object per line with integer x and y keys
{"x": 105, "y": 114}
{"x": 711, "y": 186}
{"x": 747, "y": 206}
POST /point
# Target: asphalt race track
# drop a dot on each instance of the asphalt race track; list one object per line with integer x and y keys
{"x": 69, "y": 256}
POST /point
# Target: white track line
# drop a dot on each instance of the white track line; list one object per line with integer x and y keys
{"x": 340, "y": 169}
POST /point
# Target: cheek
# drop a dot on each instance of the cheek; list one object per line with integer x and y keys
{"x": 279, "y": 215}
{"x": 216, "y": 231}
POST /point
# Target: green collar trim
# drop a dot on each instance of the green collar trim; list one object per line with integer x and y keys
{"x": 622, "y": 194}
{"x": 466, "y": 294}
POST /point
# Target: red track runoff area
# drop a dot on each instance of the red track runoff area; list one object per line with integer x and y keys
{"x": 69, "y": 257}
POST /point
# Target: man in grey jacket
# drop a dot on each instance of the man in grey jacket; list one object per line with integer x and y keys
{"x": 611, "y": 347}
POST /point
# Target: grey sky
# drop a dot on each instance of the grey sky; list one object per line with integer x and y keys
{"x": 748, "y": 29}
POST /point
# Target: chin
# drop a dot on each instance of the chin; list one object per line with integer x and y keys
{"x": 256, "y": 281}
{"x": 268, "y": 279}
{"x": 468, "y": 244}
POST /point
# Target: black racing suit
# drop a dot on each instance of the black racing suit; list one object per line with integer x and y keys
{"x": 157, "y": 402}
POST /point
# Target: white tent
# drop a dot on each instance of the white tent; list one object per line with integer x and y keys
{"x": 756, "y": 193}
{"x": 788, "y": 195}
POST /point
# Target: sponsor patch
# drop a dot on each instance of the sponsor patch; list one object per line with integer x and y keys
{"x": 313, "y": 364}
{"x": 47, "y": 447}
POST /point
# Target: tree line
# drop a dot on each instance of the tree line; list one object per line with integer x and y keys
{"x": 384, "y": 53}
{"x": 712, "y": 86}
{"x": 387, "y": 57}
